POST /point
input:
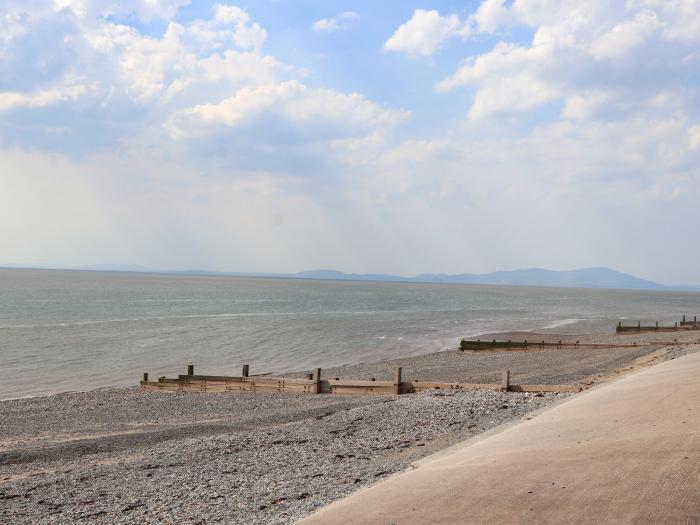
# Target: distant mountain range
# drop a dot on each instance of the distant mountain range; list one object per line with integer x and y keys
{"x": 581, "y": 278}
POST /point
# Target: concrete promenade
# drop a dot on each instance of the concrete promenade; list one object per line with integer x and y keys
{"x": 625, "y": 452}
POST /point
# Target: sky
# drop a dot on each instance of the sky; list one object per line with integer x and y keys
{"x": 388, "y": 137}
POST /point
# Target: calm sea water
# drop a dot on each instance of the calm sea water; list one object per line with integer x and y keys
{"x": 62, "y": 330}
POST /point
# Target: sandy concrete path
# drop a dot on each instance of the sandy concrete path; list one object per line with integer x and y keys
{"x": 626, "y": 452}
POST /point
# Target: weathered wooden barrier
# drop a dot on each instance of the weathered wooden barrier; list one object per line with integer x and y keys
{"x": 479, "y": 345}
{"x": 313, "y": 384}
{"x": 684, "y": 324}
{"x": 687, "y": 322}
{"x": 499, "y": 346}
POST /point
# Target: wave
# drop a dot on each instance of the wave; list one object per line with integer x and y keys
{"x": 197, "y": 316}
{"x": 561, "y": 322}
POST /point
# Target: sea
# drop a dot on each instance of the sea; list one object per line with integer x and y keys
{"x": 81, "y": 330}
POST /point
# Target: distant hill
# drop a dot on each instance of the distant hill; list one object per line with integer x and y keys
{"x": 581, "y": 278}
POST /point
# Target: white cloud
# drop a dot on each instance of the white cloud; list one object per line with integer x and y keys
{"x": 679, "y": 19}
{"x": 162, "y": 93}
{"x": 694, "y": 137}
{"x": 508, "y": 79}
{"x": 337, "y": 23}
{"x": 491, "y": 15}
{"x": 40, "y": 98}
{"x": 146, "y": 10}
{"x": 625, "y": 36}
{"x": 334, "y": 114}
{"x": 426, "y": 32}
{"x": 579, "y": 52}
{"x": 581, "y": 106}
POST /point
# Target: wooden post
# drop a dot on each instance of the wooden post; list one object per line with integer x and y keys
{"x": 145, "y": 376}
{"x": 317, "y": 380}
{"x": 619, "y": 323}
{"x": 190, "y": 370}
{"x": 639, "y": 324}
{"x": 684, "y": 318}
{"x": 657, "y": 325}
{"x": 506, "y": 380}
{"x": 246, "y": 371}
{"x": 308, "y": 376}
{"x": 397, "y": 380}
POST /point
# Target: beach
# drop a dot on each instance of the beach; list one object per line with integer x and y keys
{"x": 126, "y": 456}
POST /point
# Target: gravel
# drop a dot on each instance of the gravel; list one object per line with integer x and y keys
{"x": 247, "y": 467}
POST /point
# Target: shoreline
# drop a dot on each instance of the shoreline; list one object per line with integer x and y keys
{"x": 416, "y": 354}
{"x": 147, "y": 457}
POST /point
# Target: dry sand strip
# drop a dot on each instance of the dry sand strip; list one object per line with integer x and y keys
{"x": 625, "y": 452}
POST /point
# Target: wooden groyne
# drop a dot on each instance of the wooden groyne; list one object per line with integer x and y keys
{"x": 688, "y": 322}
{"x": 479, "y": 345}
{"x": 499, "y": 346}
{"x": 683, "y": 325}
{"x": 314, "y": 384}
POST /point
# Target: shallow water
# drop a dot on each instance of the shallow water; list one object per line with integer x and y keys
{"x": 69, "y": 330}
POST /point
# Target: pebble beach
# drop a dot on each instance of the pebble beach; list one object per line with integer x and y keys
{"x": 126, "y": 456}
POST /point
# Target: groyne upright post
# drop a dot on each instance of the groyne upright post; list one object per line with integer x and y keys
{"x": 397, "y": 380}
{"x": 317, "y": 380}
{"x": 245, "y": 371}
{"x": 145, "y": 376}
{"x": 505, "y": 384}
{"x": 190, "y": 370}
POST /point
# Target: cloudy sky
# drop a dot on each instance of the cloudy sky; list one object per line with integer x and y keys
{"x": 397, "y": 136}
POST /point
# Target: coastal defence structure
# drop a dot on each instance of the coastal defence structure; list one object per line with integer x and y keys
{"x": 499, "y": 346}
{"x": 684, "y": 324}
{"x": 314, "y": 384}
